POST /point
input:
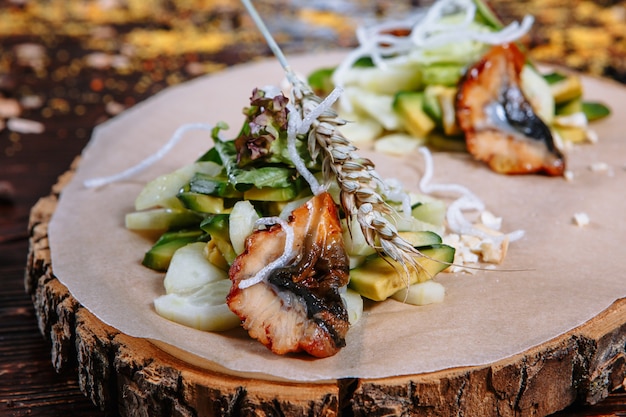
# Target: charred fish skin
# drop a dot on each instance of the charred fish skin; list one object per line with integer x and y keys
{"x": 298, "y": 307}
{"x": 501, "y": 128}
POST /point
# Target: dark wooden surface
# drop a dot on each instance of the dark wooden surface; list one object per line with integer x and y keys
{"x": 61, "y": 87}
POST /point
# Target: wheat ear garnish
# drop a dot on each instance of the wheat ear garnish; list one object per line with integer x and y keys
{"x": 362, "y": 190}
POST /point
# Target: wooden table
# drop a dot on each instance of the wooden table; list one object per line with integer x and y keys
{"x": 71, "y": 67}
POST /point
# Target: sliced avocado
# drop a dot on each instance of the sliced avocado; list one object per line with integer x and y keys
{"x": 569, "y": 107}
{"x": 409, "y": 105}
{"x": 380, "y": 277}
{"x": 442, "y": 74}
{"x": 447, "y": 143}
{"x": 564, "y": 87}
{"x": 572, "y": 134}
{"x": 202, "y": 202}
{"x": 160, "y": 255}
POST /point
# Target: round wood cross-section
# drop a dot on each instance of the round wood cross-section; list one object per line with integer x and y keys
{"x": 134, "y": 377}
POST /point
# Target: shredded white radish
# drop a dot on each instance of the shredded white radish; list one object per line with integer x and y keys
{"x": 149, "y": 161}
{"x": 467, "y": 201}
{"x": 426, "y": 31}
{"x": 395, "y": 192}
{"x": 282, "y": 260}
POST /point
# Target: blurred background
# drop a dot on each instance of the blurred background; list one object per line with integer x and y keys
{"x": 90, "y": 59}
{"x": 68, "y": 65}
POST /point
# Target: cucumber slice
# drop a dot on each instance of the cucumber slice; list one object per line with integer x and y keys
{"x": 202, "y": 202}
{"x": 376, "y": 106}
{"x": 421, "y": 239}
{"x": 354, "y": 305}
{"x": 354, "y": 240}
{"x": 442, "y": 74}
{"x": 379, "y": 278}
{"x": 214, "y": 185}
{"x": 241, "y": 224}
{"x": 190, "y": 269}
{"x": 271, "y": 194}
{"x": 204, "y": 309}
{"x": 433, "y": 212}
{"x": 569, "y": 107}
{"x": 539, "y": 93}
{"x": 410, "y": 108}
{"x": 485, "y": 14}
{"x": 161, "y": 192}
{"x": 161, "y": 219}
{"x": 160, "y": 255}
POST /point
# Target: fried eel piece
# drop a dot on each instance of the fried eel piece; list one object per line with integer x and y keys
{"x": 298, "y": 306}
{"x": 499, "y": 123}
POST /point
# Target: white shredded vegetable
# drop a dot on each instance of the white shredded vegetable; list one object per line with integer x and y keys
{"x": 426, "y": 31}
{"x": 467, "y": 201}
{"x": 150, "y": 160}
{"x": 282, "y": 260}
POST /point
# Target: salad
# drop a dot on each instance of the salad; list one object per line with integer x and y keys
{"x": 284, "y": 229}
{"x": 456, "y": 79}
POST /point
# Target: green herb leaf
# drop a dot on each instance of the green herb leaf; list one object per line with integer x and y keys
{"x": 595, "y": 110}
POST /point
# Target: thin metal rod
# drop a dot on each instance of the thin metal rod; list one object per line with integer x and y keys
{"x": 278, "y": 53}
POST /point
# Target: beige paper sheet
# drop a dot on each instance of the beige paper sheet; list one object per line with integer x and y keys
{"x": 570, "y": 273}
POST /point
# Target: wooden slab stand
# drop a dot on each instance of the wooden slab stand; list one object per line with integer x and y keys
{"x": 128, "y": 376}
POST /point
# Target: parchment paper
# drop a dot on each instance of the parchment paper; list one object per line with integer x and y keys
{"x": 570, "y": 274}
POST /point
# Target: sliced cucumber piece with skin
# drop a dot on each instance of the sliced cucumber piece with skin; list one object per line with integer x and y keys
{"x": 354, "y": 305}
{"x": 161, "y": 219}
{"x": 433, "y": 212}
{"x": 570, "y": 107}
{"x": 205, "y": 309}
{"x": 160, "y": 255}
{"x": 354, "y": 240}
{"x": 212, "y": 185}
{"x": 271, "y": 194}
{"x": 442, "y": 74}
{"x": 421, "y": 239}
{"x": 190, "y": 269}
{"x": 161, "y": 192}
{"x": 241, "y": 223}
{"x": 379, "y": 278}
{"x": 539, "y": 93}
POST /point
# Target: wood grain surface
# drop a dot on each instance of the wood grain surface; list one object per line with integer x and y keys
{"x": 72, "y": 65}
